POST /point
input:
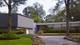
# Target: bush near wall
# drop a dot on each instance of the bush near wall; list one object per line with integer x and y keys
{"x": 18, "y": 31}
{"x": 60, "y": 31}
{"x": 47, "y": 29}
{"x": 3, "y": 30}
{"x": 8, "y": 36}
{"x": 54, "y": 31}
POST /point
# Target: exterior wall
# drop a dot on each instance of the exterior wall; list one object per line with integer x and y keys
{"x": 26, "y": 23}
{"x": 17, "y": 21}
{"x": 4, "y": 22}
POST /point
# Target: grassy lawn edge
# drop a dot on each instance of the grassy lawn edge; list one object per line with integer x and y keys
{"x": 21, "y": 41}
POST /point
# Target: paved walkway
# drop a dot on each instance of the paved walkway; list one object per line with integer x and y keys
{"x": 57, "y": 40}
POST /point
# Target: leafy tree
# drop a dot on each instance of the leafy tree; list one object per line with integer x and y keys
{"x": 28, "y": 11}
{"x": 49, "y": 18}
{"x": 14, "y": 9}
{"x": 60, "y": 17}
{"x": 55, "y": 10}
{"x": 75, "y": 10}
{"x": 67, "y": 7}
{"x": 36, "y": 12}
{"x": 31, "y": 12}
{"x": 39, "y": 8}
{"x": 10, "y": 4}
{"x": 72, "y": 10}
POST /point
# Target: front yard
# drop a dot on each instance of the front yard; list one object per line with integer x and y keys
{"x": 17, "y": 37}
{"x": 21, "y": 41}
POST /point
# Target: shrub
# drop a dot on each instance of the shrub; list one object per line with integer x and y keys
{"x": 8, "y": 36}
{"x": 2, "y": 31}
{"x": 19, "y": 32}
{"x": 54, "y": 31}
{"x": 26, "y": 35}
{"x": 40, "y": 32}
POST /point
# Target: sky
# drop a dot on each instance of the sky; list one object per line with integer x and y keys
{"x": 47, "y": 4}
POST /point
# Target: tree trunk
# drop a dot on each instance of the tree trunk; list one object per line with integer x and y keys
{"x": 9, "y": 16}
{"x": 67, "y": 16}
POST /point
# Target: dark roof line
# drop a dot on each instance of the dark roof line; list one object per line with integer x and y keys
{"x": 17, "y": 14}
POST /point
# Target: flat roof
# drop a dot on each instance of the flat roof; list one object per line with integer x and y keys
{"x": 56, "y": 23}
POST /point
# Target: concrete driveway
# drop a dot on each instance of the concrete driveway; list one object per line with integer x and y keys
{"x": 57, "y": 40}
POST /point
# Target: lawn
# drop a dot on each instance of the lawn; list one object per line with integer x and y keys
{"x": 21, "y": 41}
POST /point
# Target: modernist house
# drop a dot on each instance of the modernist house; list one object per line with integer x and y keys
{"x": 60, "y": 25}
{"x": 18, "y": 21}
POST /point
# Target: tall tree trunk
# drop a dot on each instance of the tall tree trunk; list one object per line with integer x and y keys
{"x": 67, "y": 16}
{"x": 9, "y": 16}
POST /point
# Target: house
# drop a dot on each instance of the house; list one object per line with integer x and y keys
{"x": 60, "y": 25}
{"x": 18, "y": 21}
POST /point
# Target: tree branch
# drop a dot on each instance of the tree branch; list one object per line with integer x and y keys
{"x": 6, "y": 2}
{"x": 65, "y": 1}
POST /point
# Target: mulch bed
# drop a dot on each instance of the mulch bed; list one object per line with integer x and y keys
{"x": 72, "y": 39}
{"x": 37, "y": 41}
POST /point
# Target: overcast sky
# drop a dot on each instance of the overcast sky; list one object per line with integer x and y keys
{"x": 47, "y": 4}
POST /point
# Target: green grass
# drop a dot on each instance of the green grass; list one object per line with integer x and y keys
{"x": 21, "y": 41}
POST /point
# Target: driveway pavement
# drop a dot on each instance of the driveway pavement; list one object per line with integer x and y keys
{"x": 57, "y": 40}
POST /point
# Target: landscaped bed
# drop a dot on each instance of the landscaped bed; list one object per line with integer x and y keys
{"x": 15, "y": 38}
{"x": 21, "y": 41}
{"x": 74, "y": 37}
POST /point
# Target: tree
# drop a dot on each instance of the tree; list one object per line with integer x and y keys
{"x": 31, "y": 12}
{"x": 59, "y": 17}
{"x": 67, "y": 4}
{"x": 36, "y": 12}
{"x": 55, "y": 10}
{"x": 39, "y": 8}
{"x": 49, "y": 18}
{"x": 28, "y": 11}
{"x": 10, "y": 4}
{"x": 75, "y": 10}
{"x": 14, "y": 9}
{"x": 67, "y": 7}
{"x": 72, "y": 12}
